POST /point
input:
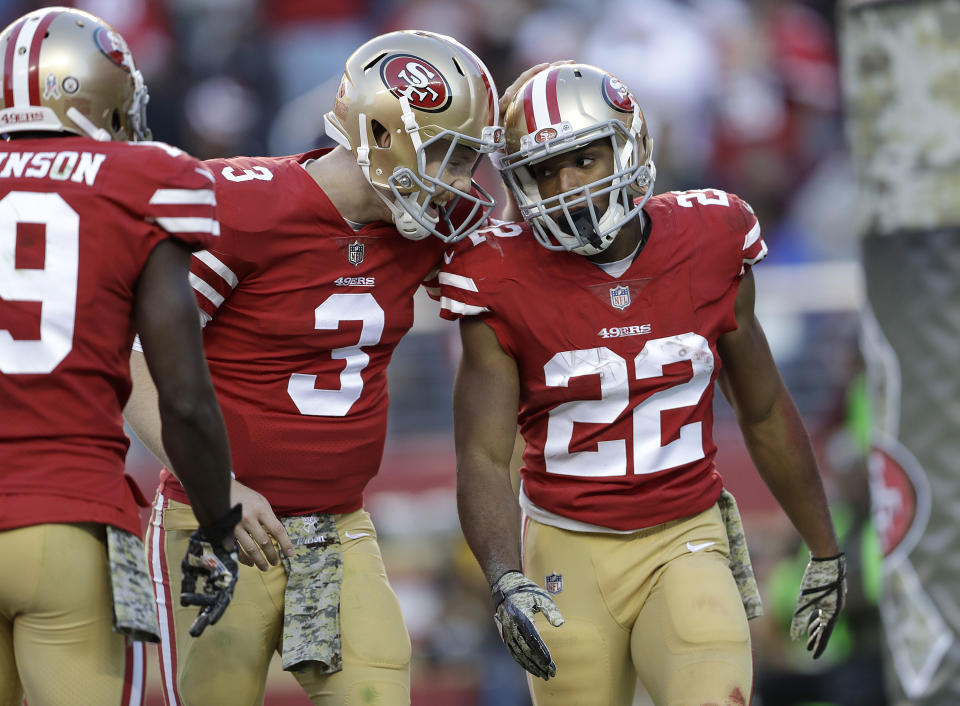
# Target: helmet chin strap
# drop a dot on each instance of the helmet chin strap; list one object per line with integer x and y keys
{"x": 404, "y": 221}
{"x": 82, "y": 122}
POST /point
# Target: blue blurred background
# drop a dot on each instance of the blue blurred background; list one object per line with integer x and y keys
{"x": 741, "y": 95}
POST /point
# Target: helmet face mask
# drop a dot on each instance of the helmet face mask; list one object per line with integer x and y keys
{"x": 70, "y": 72}
{"x": 421, "y": 88}
{"x": 563, "y": 109}
{"x": 417, "y": 190}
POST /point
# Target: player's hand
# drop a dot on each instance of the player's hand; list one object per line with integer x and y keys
{"x": 822, "y": 594}
{"x": 516, "y": 599}
{"x": 211, "y": 558}
{"x": 258, "y": 529}
{"x": 512, "y": 89}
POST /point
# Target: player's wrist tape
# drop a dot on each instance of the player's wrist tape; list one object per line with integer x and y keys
{"x": 223, "y": 527}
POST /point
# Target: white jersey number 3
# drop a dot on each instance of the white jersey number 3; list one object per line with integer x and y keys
{"x": 337, "y": 403}
{"x": 54, "y": 285}
{"x": 649, "y": 456}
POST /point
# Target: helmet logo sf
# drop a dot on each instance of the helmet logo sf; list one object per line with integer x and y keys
{"x": 417, "y": 80}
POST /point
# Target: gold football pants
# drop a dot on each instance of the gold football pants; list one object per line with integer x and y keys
{"x": 660, "y": 604}
{"x": 228, "y": 663}
{"x": 57, "y": 643}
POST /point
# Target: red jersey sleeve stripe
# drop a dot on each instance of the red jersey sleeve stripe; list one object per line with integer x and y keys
{"x": 754, "y": 248}
{"x": 208, "y": 292}
{"x": 454, "y": 308}
{"x": 176, "y": 197}
{"x": 218, "y": 266}
{"x": 458, "y": 281}
{"x": 189, "y": 224}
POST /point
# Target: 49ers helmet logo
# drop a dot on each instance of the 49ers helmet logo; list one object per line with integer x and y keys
{"x": 617, "y": 95}
{"x": 417, "y": 80}
{"x": 113, "y": 47}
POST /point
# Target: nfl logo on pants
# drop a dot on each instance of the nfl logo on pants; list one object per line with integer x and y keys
{"x": 554, "y": 583}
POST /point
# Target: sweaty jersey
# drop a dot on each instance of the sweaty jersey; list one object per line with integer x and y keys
{"x": 302, "y": 316}
{"x": 616, "y": 373}
{"x": 78, "y": 219}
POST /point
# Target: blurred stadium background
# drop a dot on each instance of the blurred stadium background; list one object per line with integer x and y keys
{"x": 741, "y": 95}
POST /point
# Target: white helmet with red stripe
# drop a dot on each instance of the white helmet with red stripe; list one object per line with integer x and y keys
{"x": 564, "y": 108}
{"x": 422, "y": 88}
{"x": 65, "y": 70}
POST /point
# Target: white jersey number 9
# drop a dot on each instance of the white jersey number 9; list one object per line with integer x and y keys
{"x": 54, "y": 286}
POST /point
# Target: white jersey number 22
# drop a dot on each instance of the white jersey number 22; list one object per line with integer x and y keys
{"x": 610, "y": 458}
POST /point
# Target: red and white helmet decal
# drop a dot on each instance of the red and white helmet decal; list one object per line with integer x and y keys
{"x": 540, "y": 105}
{"x": 21, "y": 80}
{"x": 417, "y": 80}
{"x": 617, "y": 95}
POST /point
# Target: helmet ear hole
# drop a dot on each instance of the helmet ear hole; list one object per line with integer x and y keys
{"x": 115, "y": 120}
{"x": 380, "y": 134}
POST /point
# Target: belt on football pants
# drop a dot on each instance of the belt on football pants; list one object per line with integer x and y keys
{"x": 740, "y": 556}
{"x": 134, "y": 606}
{"x": 311, "y": 600}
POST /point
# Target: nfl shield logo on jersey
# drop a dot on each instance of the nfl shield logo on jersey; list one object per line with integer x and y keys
{"x": 620, "y": 297}
{"x": 554, "y": 583}
{"x": 355, "y": 253}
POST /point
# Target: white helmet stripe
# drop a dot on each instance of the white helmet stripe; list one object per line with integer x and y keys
{"x": 23, "y": 52}
{"x": 546, "y": 107}
{"x": 541, "y": 115}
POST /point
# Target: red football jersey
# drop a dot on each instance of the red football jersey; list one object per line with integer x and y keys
{"x": 303, "y": 314}
{"x": 78, "y": 219}
{"x": 616, "y": 397}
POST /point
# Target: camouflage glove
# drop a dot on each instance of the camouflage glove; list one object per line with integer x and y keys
{"x": 515, "y": 600}
{"x": 822, "y": 593}
{"x": 207, "y": 559}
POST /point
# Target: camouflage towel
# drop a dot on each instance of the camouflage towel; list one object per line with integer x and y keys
{"x": 134, "y": 606}
{"x": 740, "y": 556}
{"x": 311, "y": 601}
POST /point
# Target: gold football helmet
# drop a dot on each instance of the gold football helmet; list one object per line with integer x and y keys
{"x": 421, "y": 88}
{"x": 66, "y": 70}
{"x": 563, "y": 108}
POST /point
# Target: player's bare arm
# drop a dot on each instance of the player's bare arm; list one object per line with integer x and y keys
{"x": 259, "y": 527}
{"x": 771, "y": 426}
{"x": 192, "y": 428}
{"x": 781, "y": 451}
{"x": 486, "y": 395}
{"x": 485, "y": 402}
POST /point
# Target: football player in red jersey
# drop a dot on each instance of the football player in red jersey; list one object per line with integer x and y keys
{"x": 95, "y": 240}
{"x": 601, "y": 325}
{"x": 304, "y": 299}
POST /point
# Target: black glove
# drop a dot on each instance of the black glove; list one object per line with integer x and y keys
{"x": 207, "y": 559}
{"x": 515, "y": 600}
{"x": 822, "y": 593}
